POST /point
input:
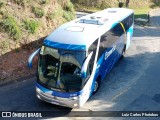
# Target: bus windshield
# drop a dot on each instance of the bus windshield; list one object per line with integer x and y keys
{"x": 60, "y": 69}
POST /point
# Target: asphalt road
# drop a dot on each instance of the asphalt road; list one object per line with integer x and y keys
{"x": 132, "y": 85}
{"x": 155, "y": 17}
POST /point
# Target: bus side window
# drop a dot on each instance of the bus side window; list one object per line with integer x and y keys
{"x": 117, "y": 30}
{"x": 103, "y": 44}
{"x": 106, "y": 41}
{"x": 127, "y": 22}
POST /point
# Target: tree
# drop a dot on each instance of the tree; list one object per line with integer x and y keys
{"x": 127, "y": 3}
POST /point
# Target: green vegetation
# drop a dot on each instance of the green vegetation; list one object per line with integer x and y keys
{"x": 55, "y": 14}
{"x": 2, "y": 4}
{"x": 39, "y": 12}
{"x": 68, "y": 12}
{"x": 142, "y": 13}
{"x": 31, "y": 25}
{"x": 10, "y": 25}
{"x": 68, "y": 7}
{"x": 4, "y": 45}
{"x": 21, "y": 2}
{"x": 23, "y": 21}
{"x": 68, "y": 15}
{"x": 156, "y": 3}
{"x": 44, "y": 1}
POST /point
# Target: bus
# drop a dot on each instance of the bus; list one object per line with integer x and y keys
{"x": 75, "y": 58}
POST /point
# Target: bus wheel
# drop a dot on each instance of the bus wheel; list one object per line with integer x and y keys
{"x": 96, "y": 86}
{"x": 123, "y": 53}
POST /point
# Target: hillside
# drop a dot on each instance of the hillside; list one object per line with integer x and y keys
{"x": 23, "y": 25}
{"x": 22, "y": 21}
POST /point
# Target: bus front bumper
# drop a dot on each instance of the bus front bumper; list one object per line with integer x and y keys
{"x": 73, "y": 102}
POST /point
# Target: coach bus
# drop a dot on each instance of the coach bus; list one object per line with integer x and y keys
{"x": 76, "y": 57}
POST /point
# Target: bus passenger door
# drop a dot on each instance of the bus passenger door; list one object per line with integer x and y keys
{"x": 30, "y": 59}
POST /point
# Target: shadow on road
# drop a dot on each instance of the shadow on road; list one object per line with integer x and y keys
{"x": 155, "y": 21}
{"x": 131, "y": 85}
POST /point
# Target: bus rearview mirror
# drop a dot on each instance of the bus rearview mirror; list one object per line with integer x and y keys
{"x": 85, "y": 66}
{"x": 30, "y": 59}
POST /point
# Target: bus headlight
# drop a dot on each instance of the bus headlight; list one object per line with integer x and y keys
{"x": 38, "y": 90}
{"x": 74, "y": 98}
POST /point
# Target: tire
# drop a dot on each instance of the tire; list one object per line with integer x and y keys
{"x": 96, "y": 86}
{"x": 123, "y": 52}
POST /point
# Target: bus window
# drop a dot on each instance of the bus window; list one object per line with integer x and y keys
{"x": 60, "y": 69}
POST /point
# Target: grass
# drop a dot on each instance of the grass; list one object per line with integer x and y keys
{"x": 82, "y": 8}
{"x": 55, "y": 14}
{"x": 2, "y": 4}
{"x": 21, "y": 18}
{"x": 68, "y": 15}
{"x": 141, "y": 13}
{"x": 10, "y": 25}
{"x": 4, "y": 45}
{"x": 68, "y": 11}
{"x": 39, "y": 12}
{"x": 31, "y": 25}
{"x": 21, "y": 2}
{"x": 44, "y": 1}
{"x": 68, "y": 7}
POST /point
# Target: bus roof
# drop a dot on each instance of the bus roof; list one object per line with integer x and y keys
{"x": 85, "y": 30}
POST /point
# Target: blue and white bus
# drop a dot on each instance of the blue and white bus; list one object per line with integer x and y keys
{"x": 76, "y": 57}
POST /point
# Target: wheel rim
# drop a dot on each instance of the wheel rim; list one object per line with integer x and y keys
{"x": 95, "y": 86}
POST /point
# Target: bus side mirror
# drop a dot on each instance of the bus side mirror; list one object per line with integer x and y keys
{"x": 30, "y": 59}
{"x": 85, "y": 66}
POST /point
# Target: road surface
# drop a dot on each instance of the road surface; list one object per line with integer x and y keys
{"x": 132, "y": 85}
{"x": 155, "y": 17}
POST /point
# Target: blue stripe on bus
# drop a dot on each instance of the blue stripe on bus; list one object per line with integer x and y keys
{"x": 130, "y": 30}
{"x": 57, "y": 93}
{"x": 64, "y": 46}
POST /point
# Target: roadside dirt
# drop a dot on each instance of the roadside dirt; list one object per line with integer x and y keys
{"x": 13, "y": 64}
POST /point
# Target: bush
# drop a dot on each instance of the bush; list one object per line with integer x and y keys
{"x": 68, "y": 15}
{"x": 58, "y": 12}
{"x": 4, "y": 45}
{"x": 68, "y": 7}
{"x": 10, "y": 25}
{"x": 21, "y": 2}
{"x": 2, "y": 4}
{"x": 51, "y": 16}
{"x": 44, "y": 1}
{"x": 39, "y": 12}
{"x": 31, "y": 26}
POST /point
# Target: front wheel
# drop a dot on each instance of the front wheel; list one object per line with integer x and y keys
{"x": 96, "y": 86}
{"x": 123, "y": 52}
